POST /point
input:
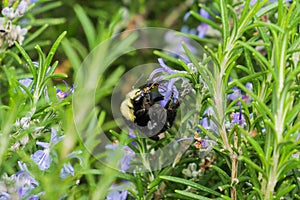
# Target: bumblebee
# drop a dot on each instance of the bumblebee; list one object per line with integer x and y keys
{"x": 142, "y": 110}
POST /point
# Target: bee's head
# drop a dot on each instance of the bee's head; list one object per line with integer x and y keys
{"x": 126, "y": 107}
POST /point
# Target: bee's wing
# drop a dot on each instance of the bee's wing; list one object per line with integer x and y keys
{"x": 183, "y": 145}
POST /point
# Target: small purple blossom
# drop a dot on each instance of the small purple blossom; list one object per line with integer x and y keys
{"x": 186, "y": 16}
{"x": 68, "y": 168}
{"x": 9, "y": 31}
{"x": 117, "y": 195}
{"x": 19, "y": 185}
{"x": 206, "y": 147}
{"x": 119, "y": 191}
{"x": 204, "y": 123}
{"x": 66, "y": 171}
{"x": 26, "y": 82}
{"x": 5, "y": 196}
{"x": 175, "y": 41}
{"x": 238, "y": 118}
{"x": 236, "y": 94}
{"x": 128, "y": 155}
{"x": 168, "y": 88}
{"x": 61, "y": 94}
{"x": 10, "y": 13}
{"x": 132, "y": 135}
{"x": 203, "y": 27}
{"x": 246, "y": 97}
{"x": 201, "y": 30}
{"x": 252, "y": 2}
{"x": 249, "y": 86}
{"x": 204, "y": 13}
{"x": 164, "y": 70}
{"x": 42, "y": 157}
{"x": 186, "y": 29}
{"x": 207, "y": 123}
{"x": 22, "y": 8}
{"x": 113, "y": 146}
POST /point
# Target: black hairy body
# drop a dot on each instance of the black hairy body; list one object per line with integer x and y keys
{"x": 141, "y": 110}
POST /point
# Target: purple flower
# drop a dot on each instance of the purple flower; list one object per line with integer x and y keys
{"x": 128, "y": 155}
{"x": 238, "y": 118}
{"x": 8, "y": 12}
{"x": 203, "y": 146}
{"x": 26, "y": 82}
{"x": 131, "y": 134}
{"x": 249, "y": 86}
{"x": 5, "y": 196}
{"x": 204, "y": 123}
{"x": 203, "y": 27}
{"x": 204, "y": 13}
{"x": 67, "y": 170}
{"x": 22, "y": 8}
{"x": 174, "y": 42}
{"x": 236, "y": 94}
{"x": 117, "y": 195}
{"x": 246, "y": 97}
{"x": 42, "y": 157}
{"x": 11, "y": 32}
{"x": 168, "y": 88}
{"x": 119, "y": 192}
{"x": 186, "y": 16}
{"x": 113, "y": 146}
{"x": 252, "y": 2}
{"x": 18, "y": 185}
{"x": 207, "y": 123}
{"x": 61, "y": 94}
{"x": 164, "y": 69}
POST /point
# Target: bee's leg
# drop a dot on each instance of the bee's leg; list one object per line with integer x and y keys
{"x": 140, "y": 112}
{"x": 142, "y": 117}
{"x": 171, "y": 103}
